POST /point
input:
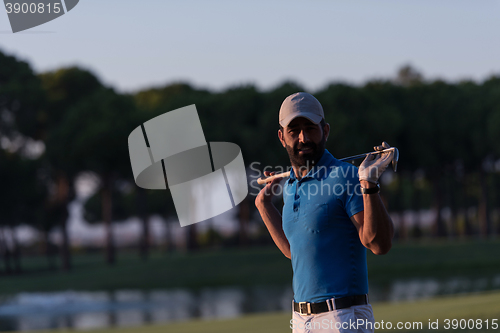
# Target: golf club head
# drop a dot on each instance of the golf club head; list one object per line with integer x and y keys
{"x": 395, "y": 159}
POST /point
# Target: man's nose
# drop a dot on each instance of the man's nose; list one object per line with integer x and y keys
{"x": 303, "y": 137}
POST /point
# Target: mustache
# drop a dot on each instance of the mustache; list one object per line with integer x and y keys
{"x": 305, "y": 146}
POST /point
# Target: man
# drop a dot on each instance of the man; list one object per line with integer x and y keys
{"x": 332, "y": 214}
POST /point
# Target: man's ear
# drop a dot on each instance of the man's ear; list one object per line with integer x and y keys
{"x": 326, "y": 131}
{"x": 281, "y": 137}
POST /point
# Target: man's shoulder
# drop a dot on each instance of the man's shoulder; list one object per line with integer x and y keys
{"x": 340, "y": 169}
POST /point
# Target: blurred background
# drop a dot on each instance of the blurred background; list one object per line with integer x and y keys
{"x": 82, "y": 247}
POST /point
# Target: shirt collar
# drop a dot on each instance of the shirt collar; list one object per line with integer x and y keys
{"x": 319, "y": 171}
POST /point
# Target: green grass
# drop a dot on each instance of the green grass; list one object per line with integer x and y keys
{"x": 437, "y": 260}
{"x": 246, "y": 267}
{"x": 203, "y": 269}
{"x": 480, "y": 306}
{"x": 475, "y": 306}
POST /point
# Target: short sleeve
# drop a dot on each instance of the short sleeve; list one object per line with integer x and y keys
{"x": 352, "y": 198}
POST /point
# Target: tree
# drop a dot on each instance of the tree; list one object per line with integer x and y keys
{"x": 97, "y": 129}
{"x": 22, "y": 199}
{"x": 21, "y": 97}
{"x": 64, "y": 88}
{"x": 134, "y": 201}
{"x": 408, "y": 76}
{"x": 157, "y": 101}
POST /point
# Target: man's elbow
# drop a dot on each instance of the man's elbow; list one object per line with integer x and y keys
{"x": 286, "y": 252}
{"x": 381, "y": 249}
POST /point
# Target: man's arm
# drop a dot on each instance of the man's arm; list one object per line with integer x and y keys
{"x": 374, "y": 224}
{"x": 271, "y": 216}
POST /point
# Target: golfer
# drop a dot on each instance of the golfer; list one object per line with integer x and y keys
{"x": 332, "y": 213}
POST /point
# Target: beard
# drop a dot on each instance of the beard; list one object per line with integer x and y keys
{"x": 306, "y": 160}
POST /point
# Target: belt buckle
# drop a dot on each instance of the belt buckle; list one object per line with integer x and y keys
{"x": 331, "y": 304}
{"x": 304, "y": 308}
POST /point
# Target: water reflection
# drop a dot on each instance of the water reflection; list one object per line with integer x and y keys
{"x": 88, "y": 310}
{"x": 408, "y": 290}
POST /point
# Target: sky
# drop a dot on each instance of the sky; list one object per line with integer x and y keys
{"x": 133, "y": 45}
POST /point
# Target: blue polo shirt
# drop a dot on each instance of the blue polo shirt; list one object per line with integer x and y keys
{"x": 328, "y": 259}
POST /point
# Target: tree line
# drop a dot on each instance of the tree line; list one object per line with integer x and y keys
{"x": 54, "y": 126}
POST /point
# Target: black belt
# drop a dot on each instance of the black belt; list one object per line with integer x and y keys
{"x": 306, "y": 308}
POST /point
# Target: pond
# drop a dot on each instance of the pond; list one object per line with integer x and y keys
{"x": 99, "y": 309}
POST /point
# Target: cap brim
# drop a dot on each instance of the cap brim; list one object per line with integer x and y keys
{"x": 311, "y": 116}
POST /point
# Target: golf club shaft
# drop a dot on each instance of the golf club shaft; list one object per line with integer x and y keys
{"x": 262, "y": 181}
{"x": 355, "y": 157}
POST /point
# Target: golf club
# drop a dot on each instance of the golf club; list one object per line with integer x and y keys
{"x": 395, "y": 160}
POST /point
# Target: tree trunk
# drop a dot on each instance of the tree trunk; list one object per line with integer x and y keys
{"x": 169, "y": 239}
{"x": 143, "y": 213}
{"x": 415, "y": 207}
{"x": 439, "y": 226}
{"x": 463, "y": 210}
{"x": 16, "y": 251}
{"x": 63, "y": 198}
{"x": 192, "y": 237}
{"x": 483, "y": 209}
{"x": 452, "y": 190}
{"x": 47, "y": 249}
{"x": 495, "y": 225}
{"x": 244, "y": 217}
{"x": 469, "y": 229}
{"x": 145, "y": 243}
{"x": 402, "y": 233}
{"x": 107, "y": 216}
{"x": 5, "y": 253}
{"x": 65, "y": 251}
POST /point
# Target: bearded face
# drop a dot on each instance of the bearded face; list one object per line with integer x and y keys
{"x": 306, "y": 155}
{"x": 304, "y": 142}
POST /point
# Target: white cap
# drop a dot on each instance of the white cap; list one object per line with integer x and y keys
{"x": 301, "y": 104}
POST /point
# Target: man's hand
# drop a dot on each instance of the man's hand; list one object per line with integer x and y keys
{"x": 271, "y": 216}
{"x": 374, "y": 224}
{"x": 375, "y": 164}
{"x": 268, "y": 192}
